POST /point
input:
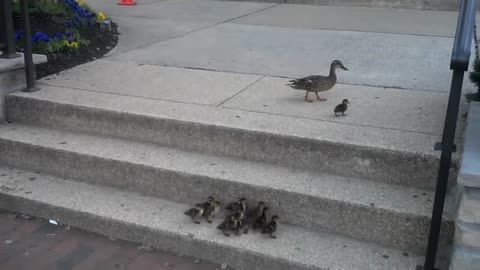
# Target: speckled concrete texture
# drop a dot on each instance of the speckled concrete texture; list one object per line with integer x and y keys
{"x": 387, "y": 155}
{"x": 153, "y": 221}
{"x": 319, "y": 201}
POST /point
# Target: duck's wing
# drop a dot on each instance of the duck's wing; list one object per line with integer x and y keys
{"x": 308, "y": 82}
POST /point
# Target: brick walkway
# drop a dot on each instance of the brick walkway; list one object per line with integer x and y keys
{"x": 28, "y": 243}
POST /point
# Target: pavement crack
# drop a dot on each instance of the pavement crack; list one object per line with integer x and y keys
{"x": 239, "y": 92}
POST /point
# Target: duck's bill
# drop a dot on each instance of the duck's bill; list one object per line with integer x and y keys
{"x": 344, "y": 68}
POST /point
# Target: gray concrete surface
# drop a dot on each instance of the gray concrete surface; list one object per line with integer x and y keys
{"x": 470, "y": 171}
{"x": 180, "y": 10}
{"x": 142, "y": 219}
{"x": 149, "y": 81}
{"x": 348, "y": 18}
{"x": 386, "y": 60}
{"x": 318, "y": 201}
{"x": 137, "y": 32}
{"x": 12, "y": 77}
{"x": 417, "y": 4}
{"x": 351, "y": 150}
{"x": 370, "y": 106}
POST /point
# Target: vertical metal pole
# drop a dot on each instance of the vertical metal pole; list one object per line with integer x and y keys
{"x": 28, "y": 50}
{"x": 444, "y": 168}
{"x": 6, "y": 30}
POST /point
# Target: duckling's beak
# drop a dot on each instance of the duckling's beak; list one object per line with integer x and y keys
{"x": 343, "y": 67}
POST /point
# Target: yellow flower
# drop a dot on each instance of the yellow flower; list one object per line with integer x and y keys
{"x": 80, "y": 3}
{"x": 73, "y": 45}
{"x": 65, "y": 42}
{"x": 101, "y": 16}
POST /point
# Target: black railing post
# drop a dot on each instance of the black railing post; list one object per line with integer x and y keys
{"x": 459, "y": 64}
{"x": 28, "y": 50}
{"x": 6, "y": 30}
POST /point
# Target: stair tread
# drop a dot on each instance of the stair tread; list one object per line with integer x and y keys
{"x": 302, "y": 128}
{"x": 305, "y": 247}
{"x": 371, "y": 194}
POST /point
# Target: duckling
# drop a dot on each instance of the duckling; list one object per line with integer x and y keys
{"x": 195, "y": 212}
{"x": 260, "y": 221}
{"x": 208, "y": 203}
{"x": 240, "y": 203}
{"x": 229, "y": 224}
{"x": 257, "y": 212}
{"x": 318, "y": 83}
{"x": 212, "y": 211}
{"x": 271, "y": 227}
{"x": 341, "y": 108}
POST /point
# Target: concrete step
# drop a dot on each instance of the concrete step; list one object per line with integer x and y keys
{"x": 383, "y": 213}
{"x": 391, "y": 155}
{"x": 12, "y": 77}
{"x": 406, "y": 4}
{"x": 133, "y": 217}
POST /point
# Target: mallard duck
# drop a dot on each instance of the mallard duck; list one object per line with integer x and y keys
{"x": 341, "y": 108}
{"x": 318, "y": 83}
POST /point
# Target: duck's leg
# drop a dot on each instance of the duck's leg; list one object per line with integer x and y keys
{"x": 306, "y": 97}
{"x": 319, "y": 98}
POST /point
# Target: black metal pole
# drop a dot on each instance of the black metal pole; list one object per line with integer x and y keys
{"x": 28, "y": 50}
{"x": 6, "y": 30}
{"x": 444, "y": 168}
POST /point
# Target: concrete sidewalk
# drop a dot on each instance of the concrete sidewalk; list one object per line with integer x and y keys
{"x": 404, "y": 49}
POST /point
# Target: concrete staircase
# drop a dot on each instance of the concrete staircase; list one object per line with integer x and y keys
{"x": 124, "y": 145}
{"x": 129, "y": 167}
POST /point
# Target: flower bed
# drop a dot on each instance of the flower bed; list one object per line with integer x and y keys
{"x": 67, "y": 31}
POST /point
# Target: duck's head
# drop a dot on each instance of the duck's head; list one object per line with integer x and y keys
{"x": 338, "y": 64}
{"x": 345, "y": 101}
{"x": 210, "y": 199}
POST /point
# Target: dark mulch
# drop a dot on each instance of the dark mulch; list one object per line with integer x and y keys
{"x": 101, "y": 42}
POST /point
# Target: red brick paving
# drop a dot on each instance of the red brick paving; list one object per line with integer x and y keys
{"x": 39, "y": 245}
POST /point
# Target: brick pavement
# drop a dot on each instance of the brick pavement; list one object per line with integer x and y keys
{"x": 28, "y": 243}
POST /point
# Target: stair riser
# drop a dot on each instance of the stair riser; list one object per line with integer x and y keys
{"x": 341, "y": 159}
{"x": 448, "y": 5}
{"x": 389, "y": 228}
{"x": 181, "y": 244}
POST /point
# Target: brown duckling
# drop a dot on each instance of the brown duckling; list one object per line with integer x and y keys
{"x": 211, "y": 211}
{"x": 195, "y": 212}
{"x": 230, "y": 223}
{"x": 341, "y": 108}
{"x": 260, "y": 221}
{"x": 271, "y": 227}
{"x": 239, "y": 204}
{"x": 318, "y": 83}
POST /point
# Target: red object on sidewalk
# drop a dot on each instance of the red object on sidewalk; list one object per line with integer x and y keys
{"x": 127, "y": 3}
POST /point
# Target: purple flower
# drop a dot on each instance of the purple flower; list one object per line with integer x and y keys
{"x": 58, "y": 35}
{"x": 68, "y": 34}
{"x": 19, "y": 34}
{"x": 39, "y": 36}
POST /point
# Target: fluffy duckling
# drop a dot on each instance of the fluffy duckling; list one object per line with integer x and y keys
{"x": 229, "y": 224}
{"x": 271, "y": 227}
{"x": 341, "y": 108}
{"x": 318, "y": 83}
{"x": 212, "y": 211}
{"x": 195, "y": 212}
{"x": 261, "y": 221}
{"x": 239, "y": 204}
